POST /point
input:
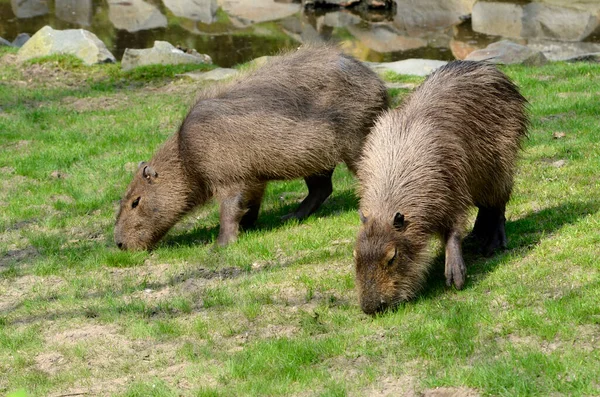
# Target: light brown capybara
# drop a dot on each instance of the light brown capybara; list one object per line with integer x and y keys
{"x": 453, "y": 144}
{"x": 296, "y": 117}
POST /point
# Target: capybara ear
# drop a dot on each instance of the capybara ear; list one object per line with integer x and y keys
{"x": 398, "y": 221}
{"x": 362, "y": 216}
{"x": 149, "y": 173}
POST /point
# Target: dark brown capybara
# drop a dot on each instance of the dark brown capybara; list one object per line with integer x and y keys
{"x": 453, "y": 144}
{"x": 296, "y": 117}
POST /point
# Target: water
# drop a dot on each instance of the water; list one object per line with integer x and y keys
{"x": 235, "y": 31}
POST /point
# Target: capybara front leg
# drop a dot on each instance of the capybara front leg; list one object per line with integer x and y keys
{"x": 319, "y": 188}
{"x": 489, "y": 229}
{"x": 455, "y": 270}
{"x": 231, "y": 213}
{"x": 252, "y": 199}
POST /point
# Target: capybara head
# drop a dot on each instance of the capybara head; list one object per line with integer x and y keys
{"x": 152, "y": 204}
{"x": 389, "y": 263}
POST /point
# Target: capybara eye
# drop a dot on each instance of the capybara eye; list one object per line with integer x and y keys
{"x": 391, "y": 261}
{"x": 135, "y": 202}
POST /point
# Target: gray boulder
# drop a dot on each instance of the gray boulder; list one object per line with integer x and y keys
{"x": 135, "y": 15}
{"x": 21, "y": 39}
{"x": 78, "y": 12}
{"x": 5, "y": 43}
{"x": 29, "y": 8}
{"x": 197, "y": 10}
{"x": 340, "y": 3}
{"x": 81, "y": 43}
{"x": 507, "y": 53}
{"x": 561, "y": 50}
{"x": 424, "y": 16}
{"x": 535, "y": 20}
{"x": 247, "y": 12}
{"x": 415, "y": 67}
{"x": 382, "y": 38}
{"x": 213, "y": 75}
{"x": 163, "y": 53}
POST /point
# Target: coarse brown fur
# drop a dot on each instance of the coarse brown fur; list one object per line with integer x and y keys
{"x": 296, "y": 117}
{"x": 451, "y": 145}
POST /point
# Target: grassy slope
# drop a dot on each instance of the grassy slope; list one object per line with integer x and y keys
{"x": 276, "y": 312}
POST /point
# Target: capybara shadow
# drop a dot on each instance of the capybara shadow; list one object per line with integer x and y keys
{"x": 452, "y": 145}
{"x": 297, "y": 116}
{"x": 526, "y": 233}
{"x": 272, "y": 218}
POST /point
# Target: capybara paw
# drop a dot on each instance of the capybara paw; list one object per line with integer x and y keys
{"x": 456, "y": 273}
{"x": 225, "y": 239}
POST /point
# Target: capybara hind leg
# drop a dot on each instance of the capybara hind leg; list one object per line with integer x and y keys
{"x": 489, "y": 230}
{"x": 455, "y": 270}
{"x": 231, "y": 213}
{"x": 252, "y": 199}
{"x": 319, "y": 188}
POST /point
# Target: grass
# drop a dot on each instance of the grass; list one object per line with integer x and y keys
{"x": 275, "y": 313}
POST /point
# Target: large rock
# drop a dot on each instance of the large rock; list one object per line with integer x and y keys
{"x": 340, "y": 19}
{"x": 78, "y": 12}
{"x": 419, "y": 17}
{"x": 562, "y": 51}
{"x": 247, "y": 12}
{"x": 535, "y": 20}
{"x": 135, "y": 15}
{"x": 196, "y": 10}
{"x": 29, "y": 8}
{"x": 162, "y": 53}
{"x": 81, "y": 43}
{"x": 382, "y": 38}
{"x": 507, "y": 53}
{"x": 213, "y": 75}
{"x": 329, "y": 3}
{"x": 415, "y": 67}
{"x": 21, "y": 39}
{"x": 5, "y": 43}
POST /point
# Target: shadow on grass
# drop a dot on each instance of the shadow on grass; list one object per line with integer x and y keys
{"x": 523, "y": 235}
{"x": 338, "y": 202}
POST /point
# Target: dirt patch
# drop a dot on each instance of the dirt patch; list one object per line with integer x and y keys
{"x": 115, "y": 101}
{"x": 450, "y": 392}
{"x": 13, "y": 291}
{"x": 50, "y": 363}
{"x": 18, "y": 256}
{"x": 50, "y": 75}
{"x": 84, "y": 333}
{"x": 393, "y": 387}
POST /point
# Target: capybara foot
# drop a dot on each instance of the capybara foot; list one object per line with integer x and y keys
{"x": 455, "y": 269}
{"x": 226, "y": 238}
{"x": 489, "y": 230}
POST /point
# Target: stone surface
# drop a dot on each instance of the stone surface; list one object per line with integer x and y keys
{"x": 5, "y": 43}
{"x": 135, "y": 15}
{"x": 247, "y": 12}
{"x": 593, "y": 57}
{"x": 162, "y": 53}
{"x": 29, "y": 8}
{"x": 415, "y": 67}
{"x": 535, "y": 20}
{"x": 329, "y": 3}
{"x": 559, "y": 51}
{"x": 384, "y": 39}
{"x": 418, "y": 17}
{"x": 196, "y": 10}
{"x": 506, "y": 52}
{"x": 340, "y": 19}
{"x": 21, "y": 39}
{"x": 213, "y": 75}
{"x": 78, "y": 12}
{"x": 81, "y": 43}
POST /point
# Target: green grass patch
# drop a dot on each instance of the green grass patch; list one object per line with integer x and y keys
{"x": 276, "y": 313}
